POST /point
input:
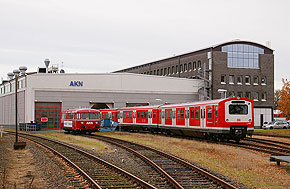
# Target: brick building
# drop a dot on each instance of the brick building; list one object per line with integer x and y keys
{"x": 236, "y": 68}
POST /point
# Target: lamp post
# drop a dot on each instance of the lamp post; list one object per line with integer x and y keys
{"x": 17, "y": 145}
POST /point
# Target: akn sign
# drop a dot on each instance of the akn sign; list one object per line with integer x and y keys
{"x": 76, "y": 83}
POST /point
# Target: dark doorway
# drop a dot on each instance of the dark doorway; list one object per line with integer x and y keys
{"x": 99, "y": 106}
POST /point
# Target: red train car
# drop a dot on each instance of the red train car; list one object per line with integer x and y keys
{"x": 230, "y": 118}
{"x": 81, "y": 120}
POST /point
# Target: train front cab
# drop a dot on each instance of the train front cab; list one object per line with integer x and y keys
{"x": 237, "y": 119}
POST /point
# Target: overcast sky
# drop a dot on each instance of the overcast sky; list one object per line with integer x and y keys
{"x": 93, "y": 36}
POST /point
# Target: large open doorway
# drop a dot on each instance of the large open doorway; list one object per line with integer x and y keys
{"x": 101, "y": 105}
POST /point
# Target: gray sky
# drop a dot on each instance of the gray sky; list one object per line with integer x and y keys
{"x": 93, "y": 36}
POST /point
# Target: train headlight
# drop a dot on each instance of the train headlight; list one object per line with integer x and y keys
{"x": 82, "y": 122}
{"x": 227, "y": 120}
{"x": 96, "y": 122}
{"x": 250, "y": 120}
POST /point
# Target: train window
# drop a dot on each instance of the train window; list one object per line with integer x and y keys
{"x": 63, "y": 116}
{"x": 85, "y": 115}
{"x": 154, "y": 114}
{"x": 196, "y": 114}
{"x": 138, "y": 114}
{"x": 113, "y": 115}
{"x": 118, "y": 115}
{"x": 162, "y": 114}
{"x": 178, "y": 114}
{"x": 216, "y": 111}
{"x": 209, "y": 113}
{"x": 130, "y": 114}
{"x": 181, "y": 114}
{"x": 141, "y": 114}
{"x": 166, "y": 114}
{"x": 238, "y": 109}
{"x": 70, "y": 116}
{"x": 145, "y": 115}
{"x": 192, "y": 113}
{"x": 169, "y": 114}
{"x": 93, "y": 115}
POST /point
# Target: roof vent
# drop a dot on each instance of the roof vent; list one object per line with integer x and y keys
{"x": 10, "y": 75}
{"x": 22, "y": 69}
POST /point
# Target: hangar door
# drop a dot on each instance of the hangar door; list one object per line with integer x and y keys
{"x": 48, "y": 114}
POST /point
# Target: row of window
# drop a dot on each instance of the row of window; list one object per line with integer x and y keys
{"x": 10, "y": 87}
{"x": 256, "y": 96}
{"x": 81, "y": 116}
{"x": 244, "y": 79}
{"x": 171, "y": 70}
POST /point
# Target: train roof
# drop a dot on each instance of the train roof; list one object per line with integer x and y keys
{"x": 82, "y": 110}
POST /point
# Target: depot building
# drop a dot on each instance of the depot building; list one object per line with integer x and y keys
{"x": 43, "y": 96}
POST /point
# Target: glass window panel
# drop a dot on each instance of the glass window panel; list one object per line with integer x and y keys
{"x": 240, "y": 55}
{"x": 246, "y": 55}
{"x": 251, "y": 63}
{"x": 230, "y": 48}
{"x": 261, "y": 51}
{"x": 246, "y": 63}
{"x": 235, "y": 47}
{"x": 230, "y": 62}
{"x": 246, "y": 48}
{"x": 256, "y": 63}
{"x": 235, "y": 62}
{"x": 256, "y": 55}
{"x": 224, "y": 48}
{"x": 230, "y": 54}
{"x": 240, "y": 48}
{"x": 240, "y": 62}
{"x": 235, "y": 54}
{"x": 251, "y": 48}
{"x": 251, "y": 55}
{"x": 256, "y": 49}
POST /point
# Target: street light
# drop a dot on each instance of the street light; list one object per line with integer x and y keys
{"x": 17, "y": 145}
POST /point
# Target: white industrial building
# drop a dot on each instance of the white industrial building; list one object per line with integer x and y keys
{"x": 45, "y": 95}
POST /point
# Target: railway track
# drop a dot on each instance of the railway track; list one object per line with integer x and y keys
{"x": 272, "y": 147}
{"x": 177, "y": 171}
{"x": 96, "y": 173}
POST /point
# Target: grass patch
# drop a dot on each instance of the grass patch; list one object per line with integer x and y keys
{"x": 274, "y": 131}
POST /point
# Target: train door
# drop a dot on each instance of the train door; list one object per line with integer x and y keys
{"x": 186, "y": 116}
{"x": 168, "y": 117}
{"x": 209, "y": 116}
{"x": 154, "y": 116}
{"x": 202, "y": 117}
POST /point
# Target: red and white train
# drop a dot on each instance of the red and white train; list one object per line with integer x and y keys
{"x": 225, "y": 119}
{"x": 81, "y": 120}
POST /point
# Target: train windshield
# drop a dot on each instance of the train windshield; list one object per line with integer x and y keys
{"x": 84, "y": 115}
{"x": 94, "y": 116}
{"x": 238, "y": 109}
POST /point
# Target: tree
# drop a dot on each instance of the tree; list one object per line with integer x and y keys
{"x": 284, "y": 101}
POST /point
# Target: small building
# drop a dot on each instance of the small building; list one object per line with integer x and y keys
{"x": 43, "y": 96}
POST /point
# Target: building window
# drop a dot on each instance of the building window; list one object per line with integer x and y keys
{"x": 199, "y": 64}
{"x": 150, "y": 72}
{"x": 158, "y": 72}
{"x": 248, "y": 95}
{"x": 242, "y": 55}
{"x": 240, "y": 94}
{"x": 223, "y": 79}
{"x": 264, "y": 96}
{"x": 169, "y": 71}
{"x": 176, "y": 69}
{"x": 185, "y": 67}
{"x": 231, "y": 94}
{"x": 154, "y": 72}
{"x": 256, "y": 79}
{"x": 255, "y": 96}
{"x": 165, "y": 71}
{"x": 189, "y": 66}
{"x": 194, "y": 65}
{"x": 181, "y": 68}
{"x": 231, "y": 79}
{"x": 263, "y": 81}
{"x": 173, "y": 70}
{"x": 247, "y": 80}
{"x": 239, "y": 79}
{"x": 161, "y": 71}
